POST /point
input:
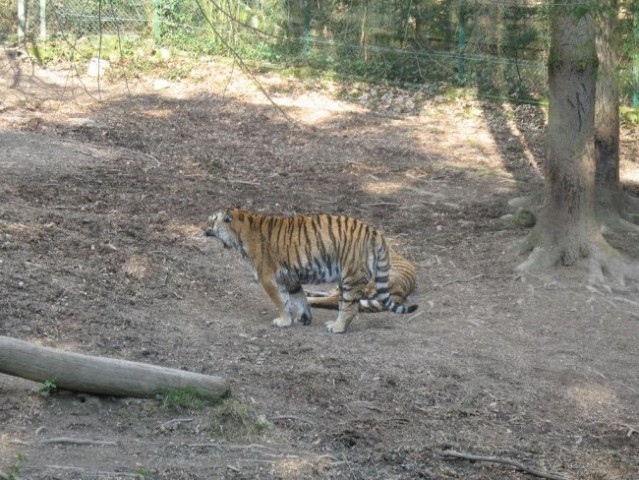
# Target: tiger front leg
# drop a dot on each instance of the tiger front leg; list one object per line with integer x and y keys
{"x": 282, "y": 300}
{"x": 303, "y": 313}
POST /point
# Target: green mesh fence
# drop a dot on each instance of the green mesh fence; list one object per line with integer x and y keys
{"x": 92, "y": 17}
{"x": 498, "y": 47}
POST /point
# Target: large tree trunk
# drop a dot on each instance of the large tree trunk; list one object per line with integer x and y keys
{"x": 614, "y": 206}
{"x": 568, "y": 230}
{"x": 101, "y": 375}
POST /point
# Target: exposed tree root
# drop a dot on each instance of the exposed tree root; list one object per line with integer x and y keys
{"x": 618, "y": 211}
{"x": 631, "y": 202}
{"x": 617, "y": 222}
{"x": 601, "y": 260}
{"x": 605, "y": 261}
{"x": 630, "y": 209}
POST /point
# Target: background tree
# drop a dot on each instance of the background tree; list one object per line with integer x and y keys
{"x": 616, "y": 208}
{"x": 568, "y": 231}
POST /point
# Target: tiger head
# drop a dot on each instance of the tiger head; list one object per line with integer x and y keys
{"x": 226, "y": 225}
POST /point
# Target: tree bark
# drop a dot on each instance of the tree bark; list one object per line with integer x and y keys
{"x": 568, "y": 230}
{"x": 567, "y": 220}
{"x": 101, "y": 375}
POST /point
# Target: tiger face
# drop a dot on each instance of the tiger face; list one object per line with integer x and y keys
{"x": 221, "y": 226}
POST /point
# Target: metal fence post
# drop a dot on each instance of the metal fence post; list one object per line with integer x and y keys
{"x": 43, "y": 20}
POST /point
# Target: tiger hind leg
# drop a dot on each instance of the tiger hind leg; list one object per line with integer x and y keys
{"x": 347, "y": 311}
{"x": 316, "y": 293}
{"x": 327, "y": 300}
{"x": 303, "y": 313}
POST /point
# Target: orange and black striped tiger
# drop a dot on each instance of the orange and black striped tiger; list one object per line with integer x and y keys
{"x": 401, "y": 283}
{"x": 287, "y": 252}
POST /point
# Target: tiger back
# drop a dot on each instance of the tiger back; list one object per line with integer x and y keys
{"x": 287, "y": 252}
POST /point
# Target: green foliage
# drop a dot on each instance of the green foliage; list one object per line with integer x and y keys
{"x": 14, "y": 470}
{"x": 629, "y": 115}
{"x": 45, "y": 389}
{"x": 8, "y": 20}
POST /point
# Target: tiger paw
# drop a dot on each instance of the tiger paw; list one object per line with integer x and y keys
{"x": 282, "y": 322}
{"x": 334, "y": 327}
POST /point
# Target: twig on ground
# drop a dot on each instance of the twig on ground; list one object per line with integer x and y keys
{"x": 380, "y": 204}
{"x": 460, "y": 280}
{"x": 291, "y": 417}
{"x": 177, "y": 420}
{"x": 204, "y": 445}
{"x": 621, "y": 299}
{"x": 506, "y": 461}
{"x": 348, "y": 465}
{"x": 412, "y": 317}
{"x": 252, "y": 446}
{"x": 79, "y": 441}
{"x": 243, "y": 182}
{"x": 95, "y": 472}
{"x": 631, "y": 429}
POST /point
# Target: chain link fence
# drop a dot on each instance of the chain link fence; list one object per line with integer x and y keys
{"x": 498, "y": 47}
{"x": 45, "y": 19}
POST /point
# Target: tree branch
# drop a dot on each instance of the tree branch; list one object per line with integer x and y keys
{"x": 506, "y": 461}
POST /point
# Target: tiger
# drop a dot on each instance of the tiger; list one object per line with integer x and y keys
{"x": 401, "y": 285}
{"x": 286, "y": 252}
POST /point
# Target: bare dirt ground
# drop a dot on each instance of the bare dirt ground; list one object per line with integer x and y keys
{"x": 101, "y": 208}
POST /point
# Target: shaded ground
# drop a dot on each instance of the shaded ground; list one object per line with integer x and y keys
{"x": 101, "y": 208}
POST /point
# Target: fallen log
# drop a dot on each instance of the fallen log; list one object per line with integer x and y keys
{"x": 101, "y": 375}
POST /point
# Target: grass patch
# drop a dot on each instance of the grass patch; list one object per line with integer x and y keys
{"x": 142, "y": 472}
{"x": 188, "y": 398}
